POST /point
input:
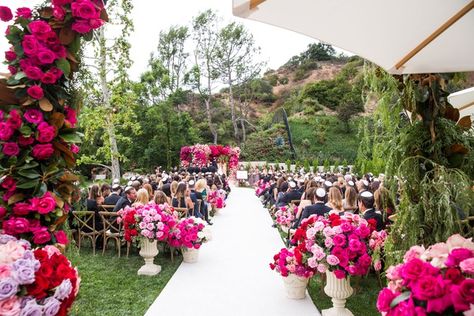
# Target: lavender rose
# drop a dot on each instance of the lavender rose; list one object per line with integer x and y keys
{"x": 6, "y": 238}
{"x": 8, "y": 287}
{"x": 24, "y": 271}
{"x": 63, "y": 290}
{"x": 51, "y": 306}
{"x": 31, "y": 308}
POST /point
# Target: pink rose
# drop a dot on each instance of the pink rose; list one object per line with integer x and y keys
{"x": 61, "y": 237}
{"x": 39, "y": 27}
{"x": 22, "y": 209}
{"x": 33, "y": 73}
{"x": 41, "y": 236}
{"x": 457, "y": 241}
{"x": 59, "y": 50}
{"x": 11, "y": 149}
{"x": 81, "y": 26}
{"x": 25, "y": 141}
{"x": 6, "y": 131}
{"x": 36, "y": 92}
{"x": 30, "y": 45}
{"x": 428, "y": 287}
{"x": 15, "y": 119}
{"x": 84, "y": 9}
{"x": 75, "y": 149}
{"x": 46, "y": 132}
{"x": 16, "y": 225}
{"x": 413, "y": 252}
{"x": 71, "y": 115}
{"x": 10, "y": 306}
{"x": 340, "y": 274}
{"x": 5, "y": 14}
{"x": 42, "y": 151}
{"x": 332, "y": 260}
{"x": 467, "y": 266}
{"x": 5, "y": 271}
{"x": 463, "y": 295}
{"x": 384, "y": 299}
{"x": 10, "y": 55}
{"x": 457, "y": 255}
{"x": 23, "y": 13}
{"x": 45, "y": 56}
{"x": 33, "y": 116}
{"x": 43, "y": 205}
{"x": 3, "y": 212}
{"x": 11, "y": 251}
{"x": 49, "y": 78}
{"x": 59, "y": 13}
{"x": 378, "y": 265}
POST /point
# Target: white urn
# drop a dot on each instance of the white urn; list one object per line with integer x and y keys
{"x": 338, "y": 290}
{"x": 295, "y": 286}
{"x": 149, "y": 250}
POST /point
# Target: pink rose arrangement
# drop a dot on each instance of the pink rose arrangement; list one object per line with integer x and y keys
{"x": 344, "y": 245}
{"x": 291, "y": 261}
{"x": 185, "y": 156}
{"x": 200, "y": 155}
{"x": 35, "y": 282}
{"x": 434, "y": 281}
{"x": 188, "y": 233}
{"x": 150, "y": 221}
{"x": 261, "y": 186}
{"x": 285, "y": 216}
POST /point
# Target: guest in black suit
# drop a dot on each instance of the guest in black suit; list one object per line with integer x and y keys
{"x": 127, "y": 200}
{"x": 292, "y": 194}
{"x": 317, "y": 196}
{"x": 113, "y": 198}
{"x": 366, "y": 208}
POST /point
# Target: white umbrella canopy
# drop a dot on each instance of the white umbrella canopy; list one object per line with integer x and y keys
{"x": 464, "y": 101}
{"x": 402, "y": 36}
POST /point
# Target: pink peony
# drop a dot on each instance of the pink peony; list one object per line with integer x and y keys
{"x": 16, "y": 225}
{"x": 46, "y": 132}
{"x": 42, "y": 151}
{"x": 11, "y": 149}
{"x": 43, "y": 205}
{"x": 36, "y": 92}
{"x": 5, "y": 14}
{"x": 384, "y": 300}
{"x": 39, "y": 27}
{"x": 457, "y": 255}
{"x": 6, "y": 131}
{"x": 33, "y": 116}
{"x": 467, "y": 266}
{"x": 41, "y": 236}
{"x": 23, "y": 13}
{"x": 81, "y": 26}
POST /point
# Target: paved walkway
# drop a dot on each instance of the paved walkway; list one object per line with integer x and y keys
{"x": 232, "y": 276}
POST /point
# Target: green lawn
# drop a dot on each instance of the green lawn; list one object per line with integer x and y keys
{"x": 111, "y": 286}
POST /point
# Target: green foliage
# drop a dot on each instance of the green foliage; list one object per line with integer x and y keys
{"x": 315, "y": 165}
{"x": 283, "y": 80}
{"x": 306, "y": 165}
{"x": 327, "y": 165}
{"x": 315, "y": 52}
{"x": 273, "y": 80}
{"x": 288, "y": 164}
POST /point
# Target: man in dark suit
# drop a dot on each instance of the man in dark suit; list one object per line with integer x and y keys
{"x": 290, "y": 195}
{"x": 366, "y": 208}
{"x": 127, "y": 200}
{"x": 316, "y": 196}
{"x": 113, "y": 198}
{"x": 193, "y": 196}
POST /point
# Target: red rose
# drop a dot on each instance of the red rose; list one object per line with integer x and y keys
{"x": 21, "y": 209}
{"x": 5, "y": 14}
{"x": 10, "y": 55}
{"x": 41, "y": 255}
{"x": 81, "y": 26}
{"x": 6, "y": 131}
{"x": 61, "y": 237}
{"x": 9, "y": 183}
{"x": 454, "y": 275}
{"x": 45, "y": 56}
{"x": 46, "y": 270}
{"x": 41, "y": 236}
{"x": 46, "y": 132}
{"x": 39, "y": 27}
{"x": 36, "y": 92}
{"x": 33, "y": 73}
{"x": 39, "y": 288}
{"x": 30, "y": 45}
{"x": 23, "y": 13}
{"x": 25, "y": 141}
{"x": 42, "y": 151}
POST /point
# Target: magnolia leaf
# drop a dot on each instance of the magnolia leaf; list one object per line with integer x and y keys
{"x": 68, "y": 177}
{"x": 27, "y": 184}
{"x": 27, "y": 101}
{"x": 59, "y": 201}
{"x": 67, "y": 154}
{"x": 19, "y": 75}
{"x": 71, "y": 57}
{"x": 7, "y": 96}
{"x": 104, "y": 16}
{"x": 57, "y": 120}
{"x": 64, "y": 65}
{"x": 66, "y": 36}
{"x": 458, "y": 149}
{"x": 16, "y": 198}
{"x": 451, "y": 113}
{"x": 45, "y": 105}
{"x": 30, "y": 174}
{"x": 400, "y": 298}
{"x": 465, "y": 122}
{"x": 71, "y": 137}
{"x": 46, "y": 12}
{"x": 25, "y": 130}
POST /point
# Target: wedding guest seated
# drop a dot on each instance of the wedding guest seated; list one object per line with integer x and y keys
{"x": 335, "y": 201}
{"x": 113, "y": 198}
{"x": 142, "y": 198}
{"x": 95, "y": 199}
{"x": 366, "y": 208}
{"x": 105, "y": 190}
{"x": 317, "y": 196}
{"x": 291, "y": 195}
{"x": 149, "y": 189}
{"x": 182, "y": 198}
{"x": 127, "y": 200}
{"x": 160, "y": 198}
{"x": 350, "y": 199}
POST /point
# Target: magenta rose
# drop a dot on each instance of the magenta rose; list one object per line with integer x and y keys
{"x": 3, "y": 212}
{"x": 41, "y": 236}
{"x": 5, "y": 14}
{"x": 61, "y": 237}
{"x": 36, "y": 92}
{"x": 59, "y": 13}
{"x": 43, "y": 205}
{"x": 39, "y": 27}
{"x": 25, "y": 141}
{"x": 457, "y": 255}
{"x": 50, "y": 38}
{"x": 45, "y": 56}
{"x": 384, "y": 299}
{"x": 11, "y": 149}
{"x": 9, "y": 183}
{"x": 33, "y": 116}
{"x": 16, "y": 225}
{"x": 12, "y": 69}
{"x": 340, "y": 274}
{"x": 463, "y": 295}
{"x": 84, "y": 9}
{"x": 23, "y": 13}
{"x": 6, "y": 131}
{"x": 33, "y": 73}
{"x": 81, "y": 26}
{"x": 74, "y": 148}
{"x": 439, "y": 304}
{"x": 355, "y": 245}
{"x": 10, "y": 55}
{"x": 15, "y": 119}
{"x": 48, "y": 78}
{"x": 71, "y": 115}
{"x": 415, "y": 268}
{"x": 46, "y": 132}
{"x": 427, "y": 287}
{"x": 42, "y": 151}
{"x": 59, "y": 50}
{"x": 96, "y": 23}
{"x": 22, "y": 209}
{"x": 30, "y": 45}
{"x": 339, "y": 240}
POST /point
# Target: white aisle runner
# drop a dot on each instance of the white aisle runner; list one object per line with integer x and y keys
{"x": 232, "y": 276}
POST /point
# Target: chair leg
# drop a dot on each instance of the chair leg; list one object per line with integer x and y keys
{"x": 128, "y": 247}
{"x": 118, "y": 246}
{"x": 93, "y": 240}
{"x": 104, "y": 244}
{"x": 79, "y": 241}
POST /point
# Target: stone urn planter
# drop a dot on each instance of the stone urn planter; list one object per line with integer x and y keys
{"x": 148, "y": 250}
{"x": 190, "y": 255}
{"x": 338, "y": 290}
{"x": 295, "y": 286}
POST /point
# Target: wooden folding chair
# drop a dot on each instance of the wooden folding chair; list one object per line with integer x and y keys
{"x": 199, "y": 202}
{"x": 295, "y": 202}
{"x": 182, "y": 211}
{"x": 112, "y": 230}
{"x": 107, "y": 208}
{"x": 86, "y": 227}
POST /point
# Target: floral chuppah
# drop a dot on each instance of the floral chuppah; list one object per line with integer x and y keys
{"x": 201, "y": 155}
{"x": 38, "y": 119}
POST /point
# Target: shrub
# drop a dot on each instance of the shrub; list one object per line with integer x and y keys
{"x": 273, "y": 80}
{"x": 283, "y": 80}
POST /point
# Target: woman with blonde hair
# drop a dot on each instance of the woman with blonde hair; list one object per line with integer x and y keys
{"x": 142, "y": 198}
{"x": 173, "y": 189}
{"x": 149, "y": 188}
{"x": 160, "y": 198}
{"x": 350, "y": 200}
{"x": 201, "y": 194}
{"x": 335, "y": 200}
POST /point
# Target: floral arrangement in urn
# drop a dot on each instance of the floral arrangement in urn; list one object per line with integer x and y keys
{"x": 434, "y": 281}
{"x": 151, "y": 221}
{"x": 188, "y": 233}
{"x": 200, "y": 155}
{"x": 338, "y": 244}
{"x": 284, "y": 216}
{"x": 291, "y": 261}
{"x": 35, "y": 282}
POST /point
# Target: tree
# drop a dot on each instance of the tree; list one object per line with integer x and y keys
{"x": 345, "y": 112}
{"x": 205, "y": 74}
{"x": 236, "y": 63}
{"x": 106, "y": 89}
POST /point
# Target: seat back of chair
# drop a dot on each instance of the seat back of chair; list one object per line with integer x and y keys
{"x": 182, "y": 211}
{"x": 85, "y": 220}
{"x": 107, "y": 208}
{"x": 109, "y": 220}
{"x": 296, "y": 202}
